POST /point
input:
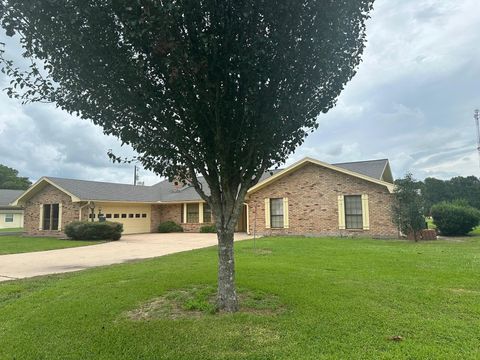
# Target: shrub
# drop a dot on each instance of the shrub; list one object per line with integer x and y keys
{"x": 85, "y": 230}
{"x": 455, "y": 218}
{"x": 208, "y": 229}
{"x": 169, "y": 227}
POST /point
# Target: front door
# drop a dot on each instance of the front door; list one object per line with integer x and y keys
{"x": 242, "y": 221}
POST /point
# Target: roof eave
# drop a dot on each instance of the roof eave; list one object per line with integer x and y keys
{"x": 22, "y": 198}
{"x": 120, "y": 201}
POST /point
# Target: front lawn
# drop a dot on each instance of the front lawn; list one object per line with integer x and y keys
{"x": 11, "y": 230}
{"x": 21, "y": 244}
{"x": 339, "y": 299}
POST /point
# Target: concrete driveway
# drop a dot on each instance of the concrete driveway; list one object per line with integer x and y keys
{"x": 130, "y": 247}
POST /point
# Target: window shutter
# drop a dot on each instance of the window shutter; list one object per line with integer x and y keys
{"x": 184, "y": 219}
{"x": 40, "y": 223}
{"x": 60, "y": 217}
{"x": 200, "y": 213}
{"x": 267, "y": 213}
{"x": 365, "y": 212}
{"x": 285, "y": 213}
{"x": 341, "y": 212}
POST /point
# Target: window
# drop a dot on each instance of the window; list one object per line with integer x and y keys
{"x": 108, "y": 216}
{"x": 91, "y": 216}
{"x": 47, "y": 212}
{"x": 137, "y": 215}
{"x": 124, "y": 216}
{"x": 50, "y": 216}
{"x": 353, "y": 212}
{"x": 207, "y": 213}
{"x": 55, "y": 212}
{"x": 144, "y": 216}
{"x": 8, "y": 218}
{"x": 116, "y": 216}
{"x": 192, "y": 213}
{"x": 276, "y": 213}
{"x": 130, "y": 216}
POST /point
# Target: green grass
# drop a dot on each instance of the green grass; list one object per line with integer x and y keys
{"x": 9, "y": 230}
{"x": 341, "y": 299}
{"x": 20, "y": 244}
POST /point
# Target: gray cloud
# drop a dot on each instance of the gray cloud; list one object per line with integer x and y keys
{"x": 413, "y": 98}
{"x": 411, "y": 101}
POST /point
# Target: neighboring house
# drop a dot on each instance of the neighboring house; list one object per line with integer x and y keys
{"x": 309, "y": 197}
{"x": 10, "y": 216}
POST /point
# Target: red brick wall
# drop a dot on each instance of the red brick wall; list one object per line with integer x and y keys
{"x": 312, "y": 193}
{"x": 172, "y": 212}
{"x": 49, "y": 195}
{"x": 155, "y": 217}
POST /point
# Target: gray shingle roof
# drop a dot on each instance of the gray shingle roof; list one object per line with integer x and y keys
{"x": 372, "y": 168}
{"x": 8, "y": 196}
{"x": 94, "y": 190}
{"x": 166, "y": 191}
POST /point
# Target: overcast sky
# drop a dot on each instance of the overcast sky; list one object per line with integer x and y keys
{"x": 412, "y": 102}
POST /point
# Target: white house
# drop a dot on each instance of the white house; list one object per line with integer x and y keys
{"x": 10, "y": 216}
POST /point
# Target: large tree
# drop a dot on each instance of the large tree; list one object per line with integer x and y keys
{"x": 216, "y": 88}
{"x": 9, "y": 179}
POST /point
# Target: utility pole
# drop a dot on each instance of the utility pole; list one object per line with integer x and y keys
{"x": 135, "y": 175}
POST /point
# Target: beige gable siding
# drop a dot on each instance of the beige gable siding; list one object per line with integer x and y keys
{"x": 313, "y": 204}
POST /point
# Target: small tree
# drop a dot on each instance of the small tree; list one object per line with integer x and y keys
{"x": 407, "y": 207}
{"x": 219, "y": 89}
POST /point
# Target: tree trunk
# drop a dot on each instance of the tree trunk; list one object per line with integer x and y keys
{"x": 227, "y": 295}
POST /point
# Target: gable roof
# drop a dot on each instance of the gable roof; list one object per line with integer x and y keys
{"x": 8, "y": 196}
{"x": 84, "y": 190}
{"x": 97, "y": 191}
{"x": 166, "y": 192}
{"x": 306, "y": 161}
{"x": 377, "y": 169}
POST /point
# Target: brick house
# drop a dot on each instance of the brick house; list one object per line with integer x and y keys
{"x": 309, "y": 197}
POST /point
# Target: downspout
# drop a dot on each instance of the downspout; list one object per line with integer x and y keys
{"x": 248, "y": 218}
{"x": 80, "y": 211}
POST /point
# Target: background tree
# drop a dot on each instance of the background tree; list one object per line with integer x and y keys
{"x": 408, "y": 206}
{"x": 9, "y": 179}
{"x": 434, "y": 191}
{"x": 466, "y": 188}
{"x": 458, "y": 188}
{"x": 219, "y": 89}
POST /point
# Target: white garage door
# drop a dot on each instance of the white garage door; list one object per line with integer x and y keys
{"x": 135, "y": 218}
